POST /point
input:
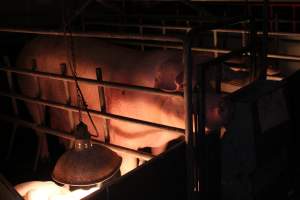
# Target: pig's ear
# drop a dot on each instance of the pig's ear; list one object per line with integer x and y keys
{"x": 179, "y": 81}
{"x": 167, "y": 74}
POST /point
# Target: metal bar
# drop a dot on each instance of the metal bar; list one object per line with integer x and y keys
{"x": 63, "y": 68}
{"x": 225, "y": 57}
{"x": 15, "y": 109}
{"x": 61, "y": 134}
{"x": 200, "y": 134}
{"x": 264, "y": 43}
{"x": 253, "y": 41}
{"x": 188, "y": 62}
{"x": 189, "y": 28}
{"x": 130, "y": 36}
{"x": 179, "y": 131}
{"x": 92, "y": 82}
{"x": 218, "y": 70}
{"x": 141, "y": 33}
{"x": 40, "y": 118}
{"x": 137, "y": 36}
{"x": 149, "y": 26}
{"x": 103, "y": 105}
{"x": 213, "y": 50}
{"x": 281, "y": 34}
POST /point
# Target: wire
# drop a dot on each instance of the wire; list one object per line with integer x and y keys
{"x": 81, "y": 103}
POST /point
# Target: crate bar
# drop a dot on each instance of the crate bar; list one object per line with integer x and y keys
{"x": 149, "y": 26}
{"x": 225, "y": 57}
{"x": 95, "y": 35}
{"x": 280, "y": 34}
{"x": 61, "y": 134}
{"x": 63, "y": 68}
{"x": 15, "y": 108}
{"x": 188, "y": 62}
{"x": 179, "y": 131}
{"x": 103, "y": 105}
{"x": 40, "y": 117}
{"x": 214, "y": 50}
{"x": 92, "y": 82}
{"x": 188, "y": 28}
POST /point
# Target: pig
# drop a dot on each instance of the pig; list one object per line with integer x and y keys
{"x": 161, "y": 69}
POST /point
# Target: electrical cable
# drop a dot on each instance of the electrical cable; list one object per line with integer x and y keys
{"x": 81, "y": 102}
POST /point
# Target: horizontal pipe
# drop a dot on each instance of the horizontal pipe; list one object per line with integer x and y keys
{"x": 149, "y": 26}
{"x": 65, "y": 135}
{"x": 182, "y": 28}
{"x": 92, "y": 82}
{"x": 212, "y": 50}
{"x": 130, "y": 36}
{"x": 280, "y": 34}
{"x": 224, "y": 57}
{"x": 96, "y": 113}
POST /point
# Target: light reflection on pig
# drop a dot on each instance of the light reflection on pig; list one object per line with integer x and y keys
{"x": 160, "y": 69}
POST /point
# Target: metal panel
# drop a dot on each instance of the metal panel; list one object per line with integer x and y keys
{"x": 163, "y": 177}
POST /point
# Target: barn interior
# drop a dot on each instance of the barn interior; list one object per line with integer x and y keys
{"x": 237, "y": 134}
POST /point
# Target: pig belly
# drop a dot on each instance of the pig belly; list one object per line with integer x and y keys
{"x": 138, "y": 106}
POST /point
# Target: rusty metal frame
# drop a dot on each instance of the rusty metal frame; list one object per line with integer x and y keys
{"x": 192, "y": 179}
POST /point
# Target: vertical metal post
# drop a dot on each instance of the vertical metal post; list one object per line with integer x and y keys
{"x": 188, "y": 62}
{"x": 294, "y": 18}
{"x": 40, "y": 118}
{"x": 103, "y": 104}
{"x": 200, "y": 134}
{"x": 15, "y": 108}
{"x": 272, "y": 19}
{"x": 141, "y": 32}
{"x": 253, "y": 43}
{"x": 218, "y": 69}
{"x": 264, "y": 43}
{"x": 63, "y": 69}
{"x": 163, "y": 30}
{"x": 215, "y": 42}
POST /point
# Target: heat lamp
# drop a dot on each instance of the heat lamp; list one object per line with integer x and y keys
{"x": 86, "y": 164}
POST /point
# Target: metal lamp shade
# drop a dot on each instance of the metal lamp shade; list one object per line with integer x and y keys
{"x": 86, "y": 167}
{"x": 86, "y": 163}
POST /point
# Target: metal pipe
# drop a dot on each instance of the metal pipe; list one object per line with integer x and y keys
{"x": 103, "y": 105}
{"x": 150, "y": 26}
{"x": 188, "y": 62}
{"x": 259, "y": 32}
{"x": 96, "y": 113}
{"x": 61, "y": 134}
{"x": 15, "y": 109}
{"x": 214, "y": 50}
{"x": 130, "y": 36}
{"x": 264, "y": 43}
{"x": 92, "y": 82}
{"x": 189, "y": 28}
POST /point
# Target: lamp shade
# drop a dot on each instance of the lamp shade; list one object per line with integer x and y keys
{"x": 86, "y": 163}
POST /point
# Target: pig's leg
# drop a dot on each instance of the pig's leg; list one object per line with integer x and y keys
{"x": 38, "y": 115}
{"x": 128, "y": 163}
{"x": 158, "y": 150}
{"x": 31, "y": 87}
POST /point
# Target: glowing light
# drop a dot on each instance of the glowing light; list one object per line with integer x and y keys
{"x": 38, "y": 190}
